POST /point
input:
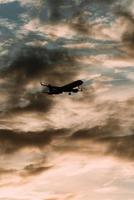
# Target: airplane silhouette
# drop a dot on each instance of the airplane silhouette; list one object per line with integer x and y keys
{"x": 70, "y": 88}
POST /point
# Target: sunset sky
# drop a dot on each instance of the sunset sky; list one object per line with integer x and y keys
{"x": 67, "y": 147}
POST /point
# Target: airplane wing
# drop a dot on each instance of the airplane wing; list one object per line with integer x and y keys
{"x": 72, "y": 85}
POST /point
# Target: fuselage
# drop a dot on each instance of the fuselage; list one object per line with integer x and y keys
{"x": 71, "y": 87}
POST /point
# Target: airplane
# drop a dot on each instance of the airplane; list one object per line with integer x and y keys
{"x": 70, "y": 88}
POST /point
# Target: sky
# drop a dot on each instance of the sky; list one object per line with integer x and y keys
{"x": 67, "y": 147}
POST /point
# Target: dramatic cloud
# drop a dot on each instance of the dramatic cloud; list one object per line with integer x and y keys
{"x": 34, "y": 64}
{"x": 120, "y": 146}
{"x": 66, "y": 147}
{"x": 6, "y": 171}
{"x": 34, "y": 169}
{"x": 12, "y": 141}
{"x": 126, "y": 17}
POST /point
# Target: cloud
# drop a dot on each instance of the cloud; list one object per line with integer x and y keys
{"x": 33, "y": 62}
{"x": 29, "y": 103}
{"x": 12, "y": 141}
{"x": 30, "y": 65}
{"x": 96, "y": 132}
{"x": 113, "y": 136}
{"x": 122, "y": 147}
{"x": 6, "y": 1}
{"x": 4, "y": 171}
{"x": 126, "y": 16}
{"x": 55, "y": 146}
{"x": 54, "y": 10}
{"x": 34, "y": 169}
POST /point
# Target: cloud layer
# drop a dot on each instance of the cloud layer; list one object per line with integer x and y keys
{"x": 66, "y": 147}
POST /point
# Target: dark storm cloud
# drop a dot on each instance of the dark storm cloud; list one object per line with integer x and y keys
{"x": 98, "y": 6}
{"x": 29, "y": 64}
{"x": 86, "y": 13}
{"x": 100, "y": 1}
{"x": 111, "y": 127}
{"x": 111, "y": 135}
{"x": 129, "y": 37}
{"x": 34, "y": 62}
{"x": 128, "y": 19}
{"x": 12, "y": 141}
{"x": 81, "y": 24}
{"x": 30, "y": 103}
{"x": 19, "y": 100}
{"x": 121, "y": 147}
{"x": 121, "y": 11}
{"x": 54, "y": 10}
{"x": 77, "y": 140}
{"x": 66, "y": 11}
{"x": 116, "y": 127}
{"x": 34, "y": 169}
{"x": 4, "y": 171}
{"x": 29, "y": 170}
